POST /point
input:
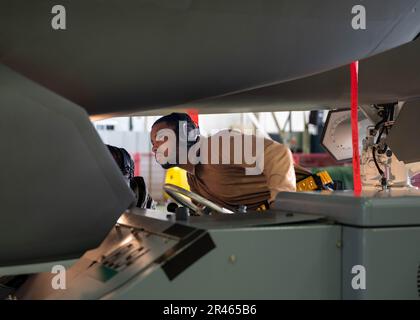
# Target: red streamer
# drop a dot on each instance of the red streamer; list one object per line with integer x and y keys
{"x": 193, "y": 113}
{"x": 354, "y": 74}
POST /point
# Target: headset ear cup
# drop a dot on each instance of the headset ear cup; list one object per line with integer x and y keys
{"x": 182, "y": 131}
{"x": 193, "y": 134}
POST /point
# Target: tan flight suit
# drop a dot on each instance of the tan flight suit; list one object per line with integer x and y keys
{"x": 227, "y": 184}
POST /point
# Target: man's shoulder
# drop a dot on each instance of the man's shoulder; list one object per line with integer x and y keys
{"x": 275, "y": 145}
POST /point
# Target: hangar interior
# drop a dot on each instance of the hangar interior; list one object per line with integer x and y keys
{"x": 64, "y": 201}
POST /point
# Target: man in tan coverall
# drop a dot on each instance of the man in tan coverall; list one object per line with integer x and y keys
{"x": 217, "y": 176}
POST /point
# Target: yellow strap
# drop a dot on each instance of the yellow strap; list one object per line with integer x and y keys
{"x": 325, "y": 177}
{"x": 309, "y": 184}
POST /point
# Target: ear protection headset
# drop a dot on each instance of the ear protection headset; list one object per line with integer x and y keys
{"x": 190, "y": 131}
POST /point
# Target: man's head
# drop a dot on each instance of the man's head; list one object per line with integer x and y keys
{"x": 169, "y": 135}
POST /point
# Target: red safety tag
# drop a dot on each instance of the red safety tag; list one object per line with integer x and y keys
{"x": 193, "y": 113}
